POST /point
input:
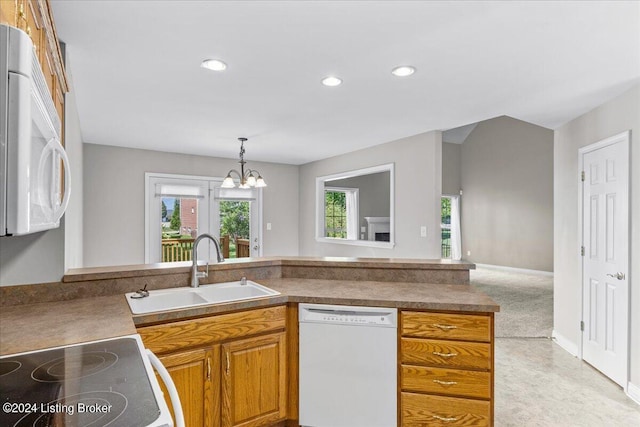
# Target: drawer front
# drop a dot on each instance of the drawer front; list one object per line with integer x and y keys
{"x": 465, "y": 327}
{"x": 441, "y": 353}
{"x": 207, "y": 330}
{"x": 453, "y": 382}
{"x": 422, "y": 410}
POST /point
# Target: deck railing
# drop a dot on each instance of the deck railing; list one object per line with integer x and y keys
{"x": 446, "y": 243}
{"x": 242, "y": 248}
{"x": 224, "y": 245}
{"x": 176, "y": 250}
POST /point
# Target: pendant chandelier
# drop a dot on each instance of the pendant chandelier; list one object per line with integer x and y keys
{"x": 248, "y": 178}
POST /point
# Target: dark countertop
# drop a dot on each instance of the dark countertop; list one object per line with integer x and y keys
{"x": 118, "y": 272}
{"x": 37, "y": 326}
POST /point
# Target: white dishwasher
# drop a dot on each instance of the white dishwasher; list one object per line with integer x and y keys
{"x": 348, "y": 366}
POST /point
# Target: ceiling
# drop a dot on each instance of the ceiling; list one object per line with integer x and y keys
{"x": 135, "y": 67}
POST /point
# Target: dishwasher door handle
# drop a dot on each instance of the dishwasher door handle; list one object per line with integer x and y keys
{"x": 349, "y": 312}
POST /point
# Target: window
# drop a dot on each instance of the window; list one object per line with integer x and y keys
{"x": 180, "y": 207}
{"x": 335, "y": 214}
{"x": 450, "y": 226}
{"x": 445, "y": 224}
{"x": 235, "y": 226}
{"x": 180, "y": 227}
{"x": 341, "y": 213}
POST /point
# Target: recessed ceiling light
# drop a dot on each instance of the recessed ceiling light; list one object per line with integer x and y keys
{"x": 214, "y": 64}
{"x": 403, "y": 71}
{"x": 331, "y": 81}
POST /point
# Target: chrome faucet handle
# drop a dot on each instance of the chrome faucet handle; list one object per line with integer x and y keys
{"x": 243, "y": 281}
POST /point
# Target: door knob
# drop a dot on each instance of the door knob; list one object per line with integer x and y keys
{"x": 618, "y": 275}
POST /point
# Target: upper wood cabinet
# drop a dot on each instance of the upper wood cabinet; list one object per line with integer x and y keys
{"x": 35, "y": 18}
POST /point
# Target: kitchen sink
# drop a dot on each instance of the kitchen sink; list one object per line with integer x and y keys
{"x": 233, "y": 291}
{"x": 172, "y": 299}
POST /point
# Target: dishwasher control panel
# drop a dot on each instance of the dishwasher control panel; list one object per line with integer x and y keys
{"x": 348, "y": 315}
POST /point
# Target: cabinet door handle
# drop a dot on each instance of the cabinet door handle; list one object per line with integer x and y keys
{"x": 444, "y": 327}
{"x": 445, "y": 382}
{"x": 208, "y": 369}
{"x": 445, "y": 419}
{"x": 437, "y": 353}
{"x": 228, "y": 367}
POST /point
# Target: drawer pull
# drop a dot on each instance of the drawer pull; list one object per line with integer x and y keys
{"x": 437, "y": 353}
{"x": 444, "y": 327}
{"x": 445, "y": 382}
{"x": 445, "y": 419}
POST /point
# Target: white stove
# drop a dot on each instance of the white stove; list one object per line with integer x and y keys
{"x": 101, "y": 383}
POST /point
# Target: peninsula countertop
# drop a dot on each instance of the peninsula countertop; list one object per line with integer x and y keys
{"x": 42, "y": 325}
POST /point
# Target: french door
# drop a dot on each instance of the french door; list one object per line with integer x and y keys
{"x": 180, "y": 207}
{"x": 605, "y": 249}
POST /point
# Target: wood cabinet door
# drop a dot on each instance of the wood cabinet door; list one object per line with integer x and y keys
{"x": 254, "y": 381}
{"x": 194, "y": 375}
{"x": 9, "y": 12}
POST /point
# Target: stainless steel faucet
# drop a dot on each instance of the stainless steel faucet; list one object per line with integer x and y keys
{"x": 195, "y": 274}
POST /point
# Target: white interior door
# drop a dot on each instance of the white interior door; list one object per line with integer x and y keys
{"x": 605, "y": 276}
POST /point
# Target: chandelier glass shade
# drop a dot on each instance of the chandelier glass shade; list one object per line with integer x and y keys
{"x": 248, "y": 178}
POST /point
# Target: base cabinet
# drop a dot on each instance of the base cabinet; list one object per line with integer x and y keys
{"x": 229, "y": 370}
{"x": 254, "y": 381}
{"x": 446, "y": 369}
{"x": 193, "y": 375}
{"x": 240, "y": 369}
{"x": 423, "y": 410}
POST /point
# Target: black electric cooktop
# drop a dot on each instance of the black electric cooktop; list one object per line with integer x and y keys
{"x": 97, "y": 384}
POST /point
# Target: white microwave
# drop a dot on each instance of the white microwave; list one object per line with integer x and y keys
{"x": 33, "y": 162}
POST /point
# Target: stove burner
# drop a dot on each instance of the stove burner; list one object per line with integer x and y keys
{"x": 9, "y": 366}
{"x": 75, "y": 366}
{"x": 75, "y": 410}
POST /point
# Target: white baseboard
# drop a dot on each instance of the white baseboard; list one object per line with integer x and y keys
{"x": 516, "y": 270}
{"x": 566, "y": 344}
{"x": 633, "y": 391}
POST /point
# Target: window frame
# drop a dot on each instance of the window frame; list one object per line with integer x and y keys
{"x": 320, "y": 220}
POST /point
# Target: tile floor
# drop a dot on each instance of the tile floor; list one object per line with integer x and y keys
{"x": 539, "y": 384}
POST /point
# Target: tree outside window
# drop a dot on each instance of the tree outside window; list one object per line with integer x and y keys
{"x": 335, "y": 214}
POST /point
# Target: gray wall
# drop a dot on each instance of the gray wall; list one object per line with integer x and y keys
{"x": 34, "y": 258}
{"x": 114, "y": 200}
{"x": 618, "y": 115}
{"x": 418, "y": 181}
{"x": 451, "y": 168}
{"x": 507, "y": 201}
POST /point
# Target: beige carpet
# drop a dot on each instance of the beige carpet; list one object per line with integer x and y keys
{"x": 526, "y": 301}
